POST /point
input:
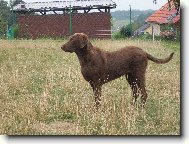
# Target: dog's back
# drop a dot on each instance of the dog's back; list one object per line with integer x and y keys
{"x": 99, "y": 67}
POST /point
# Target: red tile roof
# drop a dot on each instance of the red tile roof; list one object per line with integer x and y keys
{"x": 166, "y": 14}
{"x": 176, "y": 19}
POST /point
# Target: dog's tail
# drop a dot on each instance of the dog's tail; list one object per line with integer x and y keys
{"x": 160, "y": 61}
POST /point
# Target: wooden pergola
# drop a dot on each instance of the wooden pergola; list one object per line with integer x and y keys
{"x": 59, "y": 7}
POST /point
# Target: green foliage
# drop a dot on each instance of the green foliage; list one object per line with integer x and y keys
{"x": 3, "y": 26}
{"x": 4, "y": 14}
{"x": 145, "y": 36}
{"x": 169, "y": 32}
{"x": 159, "y": 38}
{"x": 126, "y": 30}
{"x": 4, "y": 9}
{"x": 177, "y": 38}
{"x": 166, "y": 27}
{"x": 11, "y": 20}
{"x": 118, "y": 35}
{"x": 16, "y": 30}
{"x": 7, "y": 18}
{"x": 15, "y": 2}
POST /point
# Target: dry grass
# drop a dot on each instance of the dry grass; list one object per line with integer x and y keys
{"x": 43, "y": 92}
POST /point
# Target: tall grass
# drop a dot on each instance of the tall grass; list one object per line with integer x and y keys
{"x": 43, "y": 92}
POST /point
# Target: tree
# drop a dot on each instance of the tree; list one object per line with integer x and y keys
{"x": 175, "y": 2}
{"x": 126, "y": 30}
{"x": 4, "y": 15}
{"x": 12, "y": 16}
{"x": 4, "y": 9}
{"x": 3, "y": 27}
{"x": 7, "y": 18}
{"x": 15, "y": 2}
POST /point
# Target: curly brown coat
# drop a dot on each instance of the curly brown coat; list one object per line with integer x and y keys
{"x": 99, "y": 66}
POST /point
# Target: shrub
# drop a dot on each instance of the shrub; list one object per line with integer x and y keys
{"x": 126, "y": 31}
{"x": 168, "y": 35}
{"x": 118, "y": 35}
{"x": 145, "y": 36}
{"x": 16, "y": 31}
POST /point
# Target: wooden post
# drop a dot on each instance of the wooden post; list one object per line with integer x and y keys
{"x": 70, "y": 19}
{"x": 153, "y": 32}
{"x": 130, "y": 14}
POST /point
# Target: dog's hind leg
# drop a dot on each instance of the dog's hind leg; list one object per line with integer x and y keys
{"x": 137, "y": 84}
{"x": 131, "y": 80}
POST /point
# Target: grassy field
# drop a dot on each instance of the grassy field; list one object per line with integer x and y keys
{"x": 42, "y": 92}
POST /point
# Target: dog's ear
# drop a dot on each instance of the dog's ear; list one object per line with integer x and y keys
{"x": 83, "y": 40}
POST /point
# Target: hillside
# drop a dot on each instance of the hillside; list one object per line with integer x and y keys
{"x": 121, "y": 18}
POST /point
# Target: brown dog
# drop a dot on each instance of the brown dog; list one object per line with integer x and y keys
{"x": 99, "y": 67}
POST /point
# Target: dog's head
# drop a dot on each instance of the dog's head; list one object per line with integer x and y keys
{"x": 76, "y": 42}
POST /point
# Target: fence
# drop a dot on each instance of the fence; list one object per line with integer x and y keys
{"x": 56, "y": 25}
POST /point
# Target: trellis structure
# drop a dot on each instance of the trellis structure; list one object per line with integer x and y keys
{"x": 64, "y": 6}
{"x": 63, "y": 18}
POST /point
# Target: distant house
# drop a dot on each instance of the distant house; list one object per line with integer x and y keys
{"x": 166, "y": 15}
{"x": 142, "y": 30}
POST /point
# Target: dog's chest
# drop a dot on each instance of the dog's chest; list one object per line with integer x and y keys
{"x": 92, "y": 72}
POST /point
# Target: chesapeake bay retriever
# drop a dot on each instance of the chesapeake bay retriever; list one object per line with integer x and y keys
{"x": 99, "y": 66}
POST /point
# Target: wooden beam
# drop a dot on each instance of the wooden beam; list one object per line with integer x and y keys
{"x": 43, "y": 12}
{"x": 87, "y": 10}
{"x": 100, "y": 10}
{"x": 65, "y": 9}
{"x": 153, "y": 32}
{"x": 54, "y": 12}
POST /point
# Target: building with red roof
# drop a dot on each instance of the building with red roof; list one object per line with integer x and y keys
{"x": 166, "y": 15}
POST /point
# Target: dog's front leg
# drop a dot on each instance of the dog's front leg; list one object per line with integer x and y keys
{"x": 97, "y": 94}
